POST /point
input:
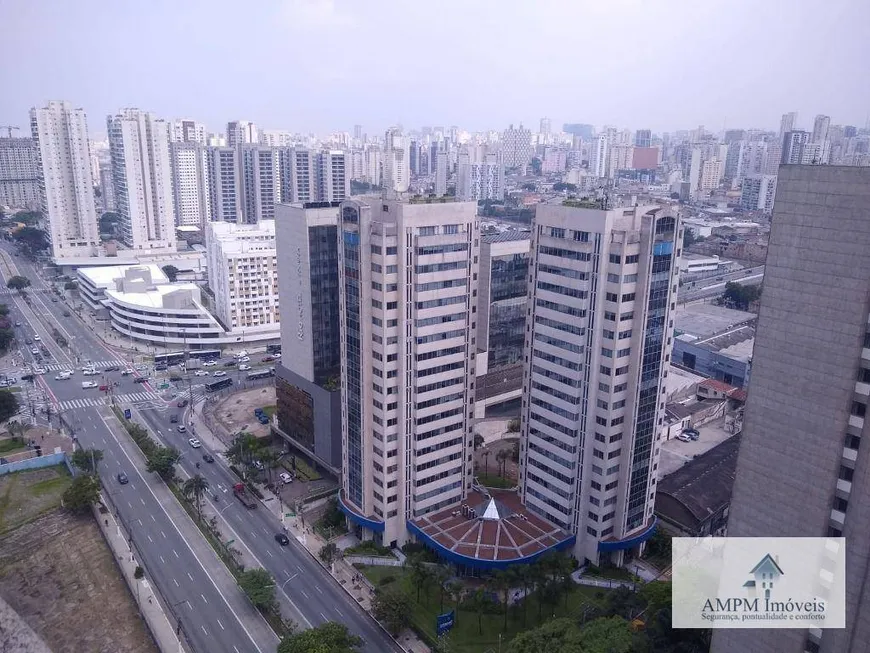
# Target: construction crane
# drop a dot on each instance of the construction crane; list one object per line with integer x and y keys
{"x": 9, "y": 129}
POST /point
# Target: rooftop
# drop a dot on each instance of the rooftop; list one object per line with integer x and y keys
{"x": 105, "y": 276}
{"x": 506, "y": 236}
{"x": 701, "y": 321}
{"x": 702, "y": 486}
{"x": 154, "y": 297}
{"x": 489, "y": 531}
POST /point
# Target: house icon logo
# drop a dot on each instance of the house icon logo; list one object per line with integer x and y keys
{"x": 764, "y": 576}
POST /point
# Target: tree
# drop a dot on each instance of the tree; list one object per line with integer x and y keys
{"x": 196, "y": 486}
{"x": 82, "y": 493}
{"x": 108, "y": 221}
{"x": 162, "y": 460}
{"x": 440, "y": 576}
{"x": 478, "y": 441}
{"x": 392, "y": 608}
{"x": 7, "y": 337}
{"x": 329, "y": 553}
{"x": 455, "y": 589}
{"x": 4, "y": 310}
{"x": 418, "y": 571}
{"x": 502, "y": 457}
{"x": 607, "y": 635}
{"x": 139, "y": 573}
{"x": 259, "y": 586}
{"x": 8, "y": 405}
{"x": 622, "y": 602}
{"x": 87, "y": 459}
{"x": 558, "y": 635}
{"x": 529, "y": 186}
{"x": 513, "y": 426}
{"x": 171, "y": 272}
{"x": 477, "y": 602}
{"x": 486, "y": 463}
{"x": 31, "y": 239}
{"x": 18, "y": 283}
{"x": 500, "y": 583}
{"x": 741, "y": 296}
{"x": 330, "y": 637}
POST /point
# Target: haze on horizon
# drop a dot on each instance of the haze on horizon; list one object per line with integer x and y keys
{"x": 325, "y": 65}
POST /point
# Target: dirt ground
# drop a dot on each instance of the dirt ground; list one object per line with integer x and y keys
{"x": 492, "y": 464}
{"x": 236, "y": 412}
{"x": 26, "y": 495}
{"x": 58, "y": 574}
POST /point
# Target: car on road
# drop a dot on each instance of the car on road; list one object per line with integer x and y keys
{"x": 277, "y": 356}
{"x": 104, "y": 388}
{"x": 161, "y": 367}
{"x": 220, "y": 373}
{"x": 241, "y": 354}
{"x": 173, "y": 419}
{"x": 66, "y": 313}
{"x": 27, "y": 377}
{"x": 28, "y": 341}
{"x": 141, "y": 368}
{"x": 175, "y": 378}
{"x": 122, "y": 478}
{"x": 682, "y": 437}
{"x": 181, "y": 428}
{"x": 193, "y": 442}
{"x": 182, "y": 403}
{"x": 245, "y": 359}
{"x": 141, "y": 379}
{"x": 18, "y": 324}
{"x": 285, "y": 477}
{"x": 63, "y": 375}
{"x": 54, "y": 300}
{"x": 40, "y": 370}
{"x": 282, "y": 539}
{"x": 242, "y": 368}
{"x": 34, "y": 350}
{"x": 126, "y": 372}
{"x": 88, "y": 384}
{"x": 207, "y": 457}
{"x": 230, "y": 364}
{"x": 112, "y": 368}
{"x": 209, "y": 364}
{"x": 200, "y": 373}
{"x": 36, "y": 338}
{"x": 267, "y": 359}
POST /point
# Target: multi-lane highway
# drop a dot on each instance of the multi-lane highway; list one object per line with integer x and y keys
{"x": 215, "y": 616}
{"x": 715, "y": 286}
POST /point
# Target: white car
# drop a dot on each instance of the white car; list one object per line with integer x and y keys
{"x": 682, "y": 437}
{"x": 241, "y": 354}
{"x": 276, "y": 356}
{"x": 245, "y": 359}
{"x": 285, "y": 477}
{"x": 141, "y": 368}
{"x": 200, "y": 373}
{"x": 88, "y": 384}
{"x": 242, "y": 368}
{"x": 39, "y": 370}
{"x": 90, "y": 371}
{"x": 193, "y": 442}
{"x": 34, "y": 350}
{"x": 63, "y": 376}
{"x": 220, "y": 373}
{"x": 209, "y": 363}
{"x": 37, "y": 338}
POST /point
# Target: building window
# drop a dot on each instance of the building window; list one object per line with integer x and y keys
{"x": 859, "y": 409}
{"x": 615, "y": 258}
{"x": 611, "y": 297}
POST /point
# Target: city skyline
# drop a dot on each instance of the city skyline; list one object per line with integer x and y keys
{"x": 414, "y": 89}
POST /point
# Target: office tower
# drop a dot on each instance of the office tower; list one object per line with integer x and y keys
{"x": 793, "y": 143}
{"x": 357, "y": 164}
{"x": 441, "y": 173}
{"x": 142, "y": 172}
{"x": 374, "y": 164}
{"x": 620, "y": 157}
{"x": 242, "y": 131}
{"x": 308, "y": 376}
{"x": 757, "y": 193}
{"x": 772, "y": 157}
{"x": 805, "y": 415}
{"x": 601, "y": 295}
{"x": 598, "y": 156}
{"x": 187, "y": 131}
{"x": 66, "y": 186}
{"x": 850, "y": 131}
{"x": 734, "y": 136}
{"x": 243, "y": 277}
{"x": 787, "y": 123}
{"x": 276, "y": 138}
{"x": 224, "y": 184}
{"x": 332, "y": 176}
{"x": 414, "y": 157}
{"x": 821, "y": 125}
{"x": 408, "y": 272}
{"x": 582, "y": 130}
{"x": 107, "y": 186}
{"x": 358, "y": 132}
{"x": 545, "y": 126}
{"x": 396, "y": 162}
{"x": 190, "y": 180}
{"x": 693, "y": 169}
{"x": 19, "y": 173}
{"x": 711, "y": 172}
{"x": 261, "y": 185}
{"x": 643, "y": 138}
{"x": 479, "y": 176}
{"x": 517, "y": 148}
{"x": 735, "y": 161}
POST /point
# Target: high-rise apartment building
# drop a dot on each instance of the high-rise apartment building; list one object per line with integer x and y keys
{"x": 620, "y": 157}
{"x": 261, "y": 184}
{"x": 643, "y": 138}
{"x": 598, "y": 156}
{"x": 191, "y": 183}
{"x": 517, "y": 149}
{"x": 243, "y": 276}
{"x": 441, "y": 167}
{"x": 787, "y": 123}
{"x": 479, "y": 175}
{"x": 107, "y": 186}
{"x": 374, "y": 167}
{"x": 806, "y": 415}
{"x": 602, "y": 289}
{"x": 711, "y": 173}
{"x": 187, "y": 131}
{"x": 408, "y": 273}
{"x": 19, "y": 173}
{"x": 546, "y": 126}
{"x": 757, "y": 193}
{"x": 396, "y": 161}
{"x": 821, "y": 127}
{"x": 793, "y": 143}
{"x": 298, "y": 172}
{"x": 242, "y": 132}
{"x": 66, "y": 185}
{"x": 276, "y": 138}
{"x": 309, "y": 373}
{"x": 142, "y": 172}
{"x": 224, "y": 184}
{"x": 333, "y": 176}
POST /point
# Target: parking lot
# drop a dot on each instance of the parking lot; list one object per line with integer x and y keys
{"x": 675, "y": 453}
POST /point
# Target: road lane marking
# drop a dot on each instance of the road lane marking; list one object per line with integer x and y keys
{"x": 163, "y": 534}
{"x": 162, "y": 560}
{"x": 304, "y": 594}
{"x": 140, "y": 522}
{"x": 203, "y": 597}
{"x": 270, "y": 553}
{"x": 176, "y": 583}
{"x": 324, "y": 617}
{"x": 153, "y": 519}
{"x": 222, "y": 627}
{"x": 339, "y": 613}
{"x": 176, "y": 553}
{"x": 203, "y": 629}
{"x": 317, "y": 587}
{"x": 149, "y": 539}
{"x": 189, "y": 576}
{"x": 130, "y": 504}
{"x": 301, "y": 570}
{"x": 142, "y": 500}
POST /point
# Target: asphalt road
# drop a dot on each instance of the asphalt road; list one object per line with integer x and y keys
{"x": 715, "y": 286}
{"x": 308, "y": 593}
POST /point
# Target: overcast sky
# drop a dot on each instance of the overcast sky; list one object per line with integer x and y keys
{"x": 325, "y": 65}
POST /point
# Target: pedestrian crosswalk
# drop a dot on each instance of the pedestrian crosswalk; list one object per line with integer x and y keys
{"x": 56, "y": 367}
{"x": 90, "y": 402}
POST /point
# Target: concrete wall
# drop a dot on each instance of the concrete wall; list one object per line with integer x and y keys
{"x": 712, "y": 364}
{"x": 48, "y": 460}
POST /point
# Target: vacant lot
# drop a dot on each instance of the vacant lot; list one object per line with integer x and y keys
{"x": 57, "y": 572}
{"x": 236, "y": 412}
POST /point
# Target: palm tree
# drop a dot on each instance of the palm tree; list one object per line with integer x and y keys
{"x": 538, "y": 574}
{"x": 486, "y": 463}
{"x": 502, "y": 457}
{"x": 418, "y": 571}
{"x": 526, "y": 578}
{"x": 441, "y": 575}
{"x": 195, "y": 486}
{"x": 501, "y": 583}
{"x": 269, "y": 460}
{"x": 455, "y": 589}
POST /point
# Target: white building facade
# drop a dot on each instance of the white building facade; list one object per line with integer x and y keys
{"x": 408, "y": 275}
{"x": 191, "y": 184}
{"x": 66, "y": 185}
{"x": 479, "y": 177}
{"x": 758, "y": 192}
{"x": 602, "y": 289}
{"x": 142, "y": 173}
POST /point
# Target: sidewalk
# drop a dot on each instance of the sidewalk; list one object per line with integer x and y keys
{"x": 146, "y": 597}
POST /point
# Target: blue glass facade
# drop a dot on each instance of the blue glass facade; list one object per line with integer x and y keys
{"x": 350, "y": 242}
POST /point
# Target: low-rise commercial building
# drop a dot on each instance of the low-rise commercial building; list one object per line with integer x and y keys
{"x": 95, "y": 281}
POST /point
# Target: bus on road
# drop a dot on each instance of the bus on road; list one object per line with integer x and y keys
{"x": 262, "y": 374}
{"x": 218, "y": 384}
{"x": 172, "y": 358}
{"x": 205, "y": 354}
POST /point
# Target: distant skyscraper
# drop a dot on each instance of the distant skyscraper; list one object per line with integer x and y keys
{"x": 333, "y": 176}
{"x": 479, "y": 176}
{"x": 787, "y": 123}
{"x": 407, "y": 276}
{"x": 598, "y": 156}
{"x": 594, "y": 384}
{"x": 414, "y": 156}
{"x": 643, "y": 138}
{"x": 821, "y": 136}
{"x": 517, "y": 147}
{"x": 396, "y": 161}
{"x": 793, "y": 143}
{"x": 801, "y": 470}
{"x": 545, "y": 126}
{"x": 298, "y": 172}
{"x": 276, "y": 138}
{"x": 441, "y": 173}
{"x": 107, "y": 186}
{"x": 191, "y": 184}
{"x": 66, "y": 184}
{"x": 582, "y": 130}
{"x": 734, "y": 161}
{"x": 261, "y": 185}
{"x": 734, "y": 135}
{"x": 242, "y": 131}
{"x": 358, "y": 132}
{"x": 142, "y": 171}
{"x": 711, "y": 172}
{"x": 224, "y": 184}
{"x": 19, "y": 173}
{"x": 187, "y": 131}
{"x": 757, "y": 193}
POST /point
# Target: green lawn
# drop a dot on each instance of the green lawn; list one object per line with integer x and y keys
{"x": 466, "y": 636}
{"x": 11, "y": 445}
{"x": 50, "y": 486}
{"x": 612, "y": 573}
{"x": 495, "y": 481}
